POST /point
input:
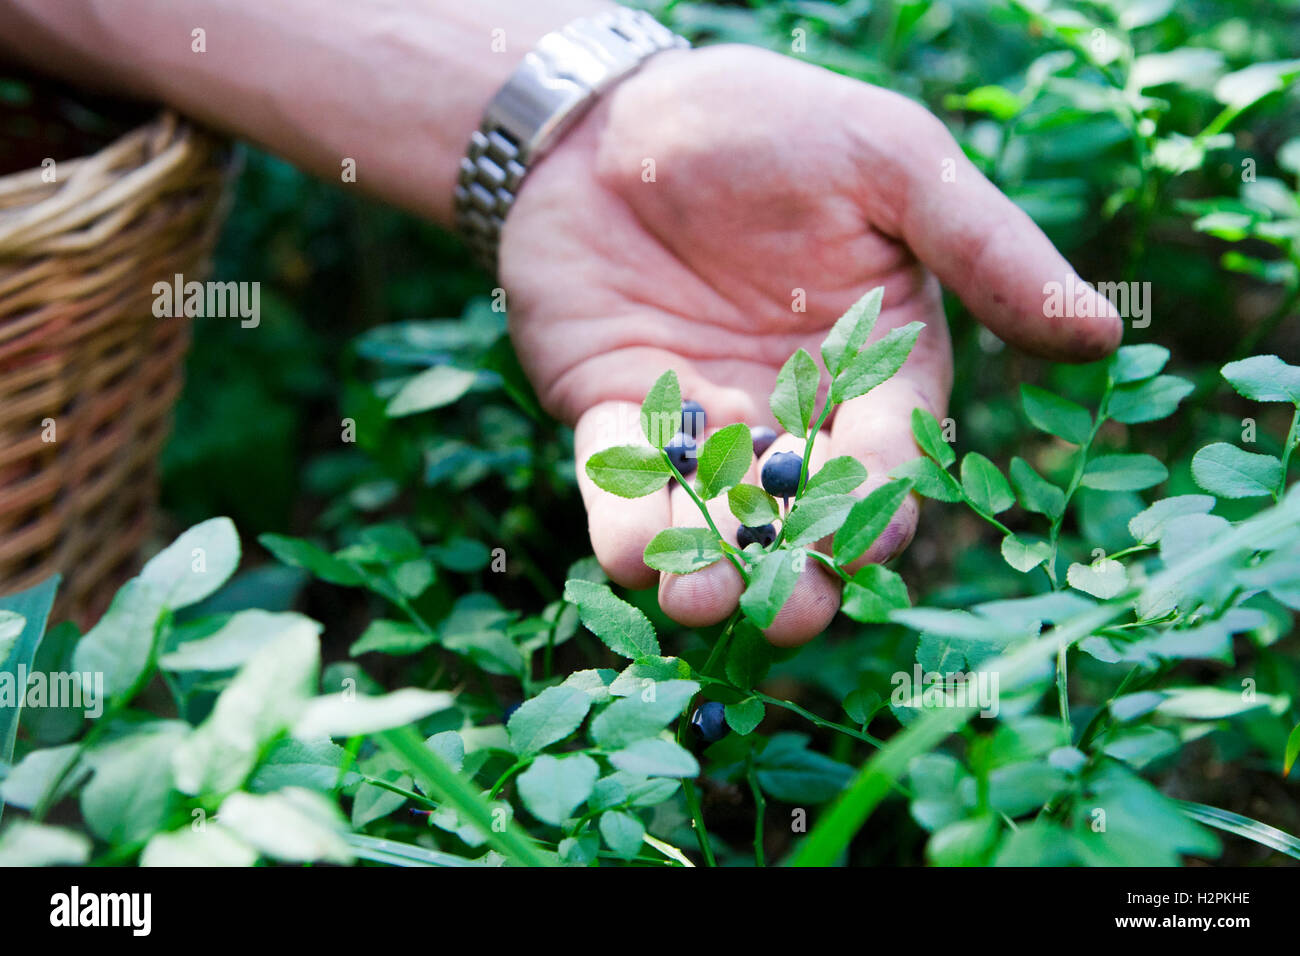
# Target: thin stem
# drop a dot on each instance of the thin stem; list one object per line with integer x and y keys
{"x": 819, "y": 721}
{"x": 827, "y": 560}
{"x": 760, "y": 811}
{"x": 697, "y": 821}
{"x": 517, "y": 766}
{"x": 704, "y": 510}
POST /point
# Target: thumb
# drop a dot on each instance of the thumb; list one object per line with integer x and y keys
{"x": 986, "y": 249}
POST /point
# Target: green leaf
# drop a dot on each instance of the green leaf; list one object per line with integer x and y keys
{"x": 929, "y": 438}
{"x": 867, "y": 519}
{"x": 1252, "y": 83}
{"x": 33, "y": 606}
{"x": 812, "y": 519}
{"x": 629, "y": 471}
{"x": 1264, "y": 378}
{"x": 656, "y": 757}
{"x": 724, "y": 459}
{"x": 130, "y": 795}
{"x": 752, "y": 506}
{"x": 683, "y": 550}
{"x": 964, "y": 843}
{"x": 298, "y": 553}
{"x": 876, "y": 363}
{"x": 121, "y": 645}
{"x": 1227, "y": 471}
{"x": 623, "y": 832}
{"x": 794, "y": 399}
{"x": 1148, "y": 526}
{"x": 214, "y": 845}
{"x": 929, "y": 480}
{"x": 1035, "y": 492}
{"x": 744, "y": 716}
{"x": 873, "y": 593}
{"x": 984, "y": 485}
{"x": 262, "y": 701}
{"x": 553, "y": 787}
{"x": 839, "y": 476}
{"x": 195, "y": 564}
{"x": 433, "y": 388}
{"x": 315, "y": 764}
{"x": 1123, "y": 473}
{"x": 26, "y": 844}
{"x": 1025, "y": 554}
{"x": 851, "y": 331}
{"x": 749, "y": 656}
{"x": 1212, "y": 703}
{"x": 547, "y": 718}
{"x": 33, "y": 776}
{"x": 1104, "y": 579}
{"x": 642, "y": 714}
{"x": 661, "y": 412}
{"x": 1242, "y": 826}
{"x": 1133, "y": 363}
{"x": 1148, "y": 401}
{"x": 623, "y": 628}
{"x": 391, "y": 637}
{"x": 790, "y": 772}
{"x": 351, "y": 715}
{"x": 1292, "y": 750}
{"x": 293, "y": 825}
{"x": 771, "y": 582}
{"x": 235, "y": 641}
{"x": 1055, "y": 415}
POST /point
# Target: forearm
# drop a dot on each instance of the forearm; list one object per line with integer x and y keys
{"x": 396, "y": 85}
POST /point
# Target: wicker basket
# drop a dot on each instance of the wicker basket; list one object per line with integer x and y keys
{"x": 83, "y": 360}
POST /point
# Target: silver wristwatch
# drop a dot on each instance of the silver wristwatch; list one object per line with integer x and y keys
{"x": 557, "y": 82}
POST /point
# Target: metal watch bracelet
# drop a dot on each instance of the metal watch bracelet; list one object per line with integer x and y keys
{"x": 557, "y": 82}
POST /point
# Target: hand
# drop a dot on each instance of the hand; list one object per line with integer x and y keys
{"x": 773, "y": 180}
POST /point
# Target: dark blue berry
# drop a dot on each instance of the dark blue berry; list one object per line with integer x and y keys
{"x": 510, "y": 711}
{"x": 781, "y": 474}
{"x": 710, "y": 721}
{"x": 763, "y": 535}
{"x": 763, "y": 438}
{"x": 681, "y": 451}
{"x": 693, "y": 418}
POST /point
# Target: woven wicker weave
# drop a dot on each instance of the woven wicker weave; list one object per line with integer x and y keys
{"x": 79, "y": 345}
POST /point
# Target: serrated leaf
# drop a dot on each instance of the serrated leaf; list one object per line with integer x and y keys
{"x": 1227, "y": 471}
{"x": 752, "y": 506}
{"x": 929, "y": 438}
{"x": 794, "y": 399}
{"x": 1055, "y": 415}
{"x": 629, "y": 471}
{"x": 1133, "y": 363}
{"x": 547, "y": 718}
{"x": 929, "y": 480}
{"x": 1035, "y": 492}
{"x": 643, "y": 714}
{"x": 553, "y": 787}
{"x": 851, "y": 331}
{"x": 683, "y": 550}
{"x": 1025, "y": 554}
{"x": 724, "y": 460}
{"x": 744, "y": 716}
{"x": 1264, "y": 378}
{"x": 984, "y": 485}
{"x": 839, "y": 476}
{"x": 656, "y": 757}
{"x": 1148, "y": 401}
{"x": 623, "y": 832}
{"x": 875, "y": 364}
{"x": 1105, "y": 579}
{"x": 661, "y": 412}
{"x": 624, "y": 629}
{"x": 812, "y": 519}
{"x": 771, "y": 582}
{"x": 867, "y": 519}
{"x": 1123, "y": 473}
{"x": 874, "y": 593}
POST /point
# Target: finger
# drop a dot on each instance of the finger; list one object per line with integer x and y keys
{"x": 620, "y": 528}
{"x": 810, "y": 609}
{"x": 704, "y": 597}
{"x": 876, "y": 429}
{"x": 985, "y": 248}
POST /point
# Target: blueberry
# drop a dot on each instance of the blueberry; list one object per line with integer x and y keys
{"x": 763, "y": 438}
{"x": 681, "y": 451}
{"x": 781, "y": 474}
{"x": 763, "y": 535}
{"x": 709, "y": 721}
{"x": 693, "y": 418}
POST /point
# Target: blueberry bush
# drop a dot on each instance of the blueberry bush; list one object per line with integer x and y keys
{"x": 1086, "y": 657}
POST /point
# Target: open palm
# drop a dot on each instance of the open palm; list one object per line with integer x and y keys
{"x": 721, "y": 209}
